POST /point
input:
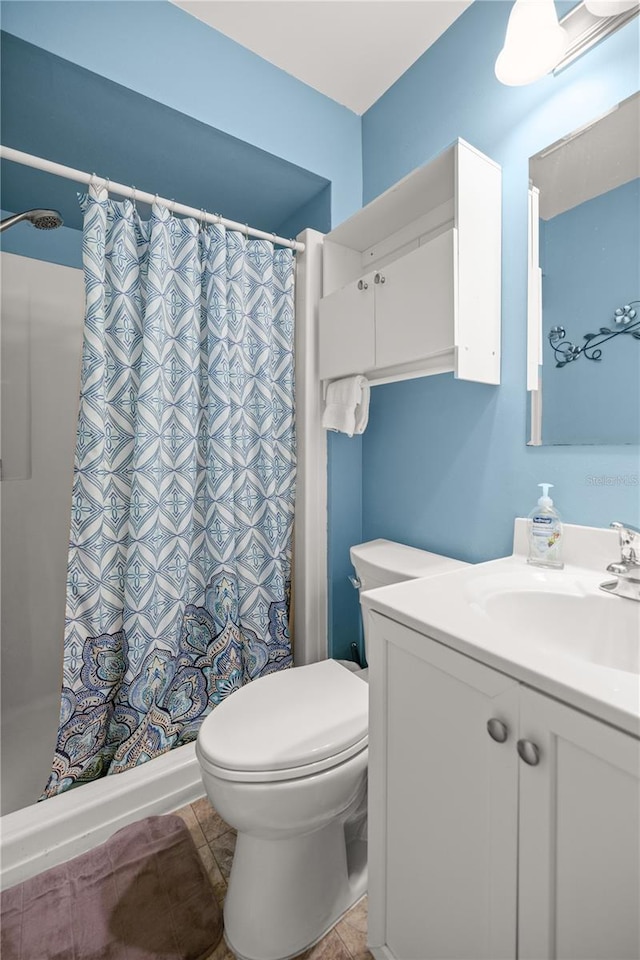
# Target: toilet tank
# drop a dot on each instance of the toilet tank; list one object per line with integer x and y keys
{"x": 379, "y": 563}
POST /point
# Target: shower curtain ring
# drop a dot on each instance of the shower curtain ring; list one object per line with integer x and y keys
{"x": 246, "y": 231}
{"x": 133, "y": 200}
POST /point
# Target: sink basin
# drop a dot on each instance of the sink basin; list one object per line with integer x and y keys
{"x": 554, "y": 630}
{"x": 563, "y": 614}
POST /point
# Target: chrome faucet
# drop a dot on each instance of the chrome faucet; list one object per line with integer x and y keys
{"x": 627, "y": 569}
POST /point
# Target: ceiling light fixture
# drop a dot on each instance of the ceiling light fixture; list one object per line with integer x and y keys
{"x": 590, "y": 22}
{"x": 535, "y": 42}
{"x": 609, "y": 8}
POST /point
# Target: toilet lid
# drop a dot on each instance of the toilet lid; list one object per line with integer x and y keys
{"x": 288, "y": 719}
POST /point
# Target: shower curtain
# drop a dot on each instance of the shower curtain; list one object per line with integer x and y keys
{"x": 180, "y": 549}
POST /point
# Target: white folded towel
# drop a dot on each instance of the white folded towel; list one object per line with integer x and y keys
{"x": 347, "y": 405}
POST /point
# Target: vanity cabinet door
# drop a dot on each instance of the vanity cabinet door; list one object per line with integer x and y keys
{"x": 443, "y": 802}
{"x": 347, "y": 335}
{"x": 579, "y": 865}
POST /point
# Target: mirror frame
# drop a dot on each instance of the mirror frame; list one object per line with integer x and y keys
{"x": 534, "y": 320}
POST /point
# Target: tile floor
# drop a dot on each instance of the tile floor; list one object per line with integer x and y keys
{"x": 215, "y": 841}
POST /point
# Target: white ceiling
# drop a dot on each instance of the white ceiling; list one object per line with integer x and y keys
{"x": 350, "y": 50}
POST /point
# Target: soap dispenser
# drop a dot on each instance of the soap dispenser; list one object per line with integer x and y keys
{"x": 545, "y": 532}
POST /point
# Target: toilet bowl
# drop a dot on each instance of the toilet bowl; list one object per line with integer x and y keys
{"x": 284, "y": 762}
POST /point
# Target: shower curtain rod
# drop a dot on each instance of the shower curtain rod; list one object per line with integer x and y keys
{"x": 48, "y": 166}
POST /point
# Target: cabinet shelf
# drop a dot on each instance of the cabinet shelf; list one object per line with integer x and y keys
{"x": 411, "y": 283}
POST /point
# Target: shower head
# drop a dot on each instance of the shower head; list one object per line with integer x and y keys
{"x": 41, "y": 219}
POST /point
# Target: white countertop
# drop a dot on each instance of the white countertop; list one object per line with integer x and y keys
{"x": 443, "y": 608}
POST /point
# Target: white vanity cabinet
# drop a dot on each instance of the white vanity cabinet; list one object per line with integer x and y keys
{"x": 474, "y": 852}
{"x": 411, "y": 283}
{"x": 443, "y": 802}
{"x": 579, "y": 849}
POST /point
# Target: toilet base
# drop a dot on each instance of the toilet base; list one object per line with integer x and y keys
{"x": 285, "y": 895}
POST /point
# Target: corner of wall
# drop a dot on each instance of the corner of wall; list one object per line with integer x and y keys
{"x": 344, "y": 530}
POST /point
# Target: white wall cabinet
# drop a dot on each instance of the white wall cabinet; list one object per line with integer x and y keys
{"x": 474, "y": 853}
{"x": 411, "y": 283}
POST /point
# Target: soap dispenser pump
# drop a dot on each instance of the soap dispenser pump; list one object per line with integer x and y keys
{"x": 545, "y": 532}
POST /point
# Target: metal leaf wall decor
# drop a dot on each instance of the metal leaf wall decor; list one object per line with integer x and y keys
{"x": 625, "y": 321}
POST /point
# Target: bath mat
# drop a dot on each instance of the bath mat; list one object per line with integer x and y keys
{"x": 142, "y": 895}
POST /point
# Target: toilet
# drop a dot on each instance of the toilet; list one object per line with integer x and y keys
{"x": 284, "y": 762}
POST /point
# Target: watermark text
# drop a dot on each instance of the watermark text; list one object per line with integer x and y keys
{"x": 613, "y": 480}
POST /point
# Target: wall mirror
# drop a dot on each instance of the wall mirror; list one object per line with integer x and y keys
{"x": 583, "y": 358}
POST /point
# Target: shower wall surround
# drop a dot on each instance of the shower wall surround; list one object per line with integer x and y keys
{"x": 46, "y": 302}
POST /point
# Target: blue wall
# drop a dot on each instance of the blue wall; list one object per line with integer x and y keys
{"x": 344, "y": 497}
{"x": 315, "y": 214}
{"x": 45, "y": 103}
{"x": 445, "y": 465}
{"x": 158, "y": 50}
{"x": 590, "y": 258}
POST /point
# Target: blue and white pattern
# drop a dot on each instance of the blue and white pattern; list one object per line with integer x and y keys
{"x": 182, "y": 514}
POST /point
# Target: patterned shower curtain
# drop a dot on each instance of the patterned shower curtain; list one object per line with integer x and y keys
{"x": 180, "y": 549}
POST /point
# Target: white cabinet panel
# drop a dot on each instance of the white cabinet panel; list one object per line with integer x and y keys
{"x": 347, "y": 336}
{"x": 450, "y": 824}
{"x": 435, "y": 237}
{"x": 479, "y": 223}
{"x": 579, "y": 872}
{"x": 467, "y": 841}
{"x": 414, "y": 303}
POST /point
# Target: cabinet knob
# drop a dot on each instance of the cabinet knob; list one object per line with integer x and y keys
{"x": 498, "y": 730}
{"x": 528, "y": 752}
{"x": 363, "y": 285}
{"x": 379, "y": 278}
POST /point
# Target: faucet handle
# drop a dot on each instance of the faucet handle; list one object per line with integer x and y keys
{"x": 628, "y": 535}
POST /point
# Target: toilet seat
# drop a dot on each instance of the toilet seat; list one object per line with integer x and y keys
{"x": 287, "y": 725}
{"x": 290, "y": 773}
